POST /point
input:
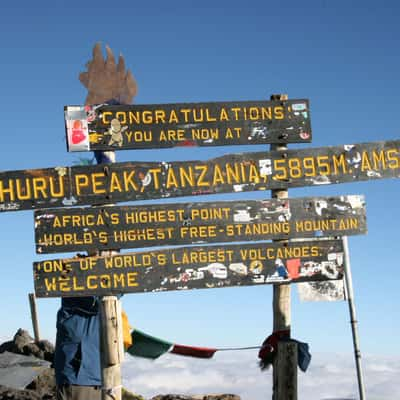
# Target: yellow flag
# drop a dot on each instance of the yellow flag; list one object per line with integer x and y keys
{"x": 126, "y": 331}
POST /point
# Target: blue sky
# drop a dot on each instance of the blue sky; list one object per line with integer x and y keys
{"x": 342, "y": 56}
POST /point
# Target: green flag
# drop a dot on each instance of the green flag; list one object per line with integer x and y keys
{"x": 147, "y": 346}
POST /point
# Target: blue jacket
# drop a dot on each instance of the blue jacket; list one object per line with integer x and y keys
{"x": 77, "y": 352}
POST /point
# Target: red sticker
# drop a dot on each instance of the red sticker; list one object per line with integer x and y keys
{"x": 304, "y": 135}
{"x": 77, "y": 136}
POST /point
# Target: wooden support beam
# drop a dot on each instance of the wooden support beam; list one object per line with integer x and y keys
{"x": 111, "y": 347}
{"x": 287, "y": 371}
{"x": 34, "y": 315}
{"x": 281, "y": 306}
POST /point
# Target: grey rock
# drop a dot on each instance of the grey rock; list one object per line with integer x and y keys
{"x": 23, "y": 343}
{"x": 6, "y": 346}
{"x": 44, "y": 384}
{"x": 14, "y": 394}
{"x": 198, "y": 397}
{"x": 21, "y": 339}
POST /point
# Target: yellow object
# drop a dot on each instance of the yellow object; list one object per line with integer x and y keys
{"x": 127, "y": 395}
{"x": 126, "y": 331}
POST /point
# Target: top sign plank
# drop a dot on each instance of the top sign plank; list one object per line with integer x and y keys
{"x": 129, "y": 181}
{"x": 122, "y": 127}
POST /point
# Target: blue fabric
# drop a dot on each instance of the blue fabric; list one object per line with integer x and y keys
{"x": 303, "y": 355}
{"x": 102, "y": 157}
{"x": 77, "y": 352}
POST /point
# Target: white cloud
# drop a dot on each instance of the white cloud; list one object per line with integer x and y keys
{"x": 330, "y": 376}
{"x": 225, "y": 373}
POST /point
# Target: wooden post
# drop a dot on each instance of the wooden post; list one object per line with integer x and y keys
{"x": 111, "y": 347}
{"x": 111, "y": 339}
{"x": 287, "y": 370}
{"x": 281, "y": 310}
{"x": 106, "y": 80}
{"x": 34, "y": 316}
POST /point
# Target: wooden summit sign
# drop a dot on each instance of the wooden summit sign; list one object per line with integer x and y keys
{"x": 104, "y": 127}
{"x": 190, "y": 268}
{"x": 118, "y": 182}
{"x": 116, "y": 227}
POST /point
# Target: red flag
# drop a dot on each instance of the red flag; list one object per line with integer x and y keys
{"x": 199, "y": 352}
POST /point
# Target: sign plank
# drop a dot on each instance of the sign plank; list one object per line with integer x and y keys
{"x": 190, "y": 268}
{"x": 152, "y": 126}
{"x": 120, "y": 227}
{"x": 128, "y": 181}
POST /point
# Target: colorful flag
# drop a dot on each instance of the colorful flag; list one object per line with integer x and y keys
{"x": 199, "y": 352}
{"x": 144, "y": 345}
{"x": 147, "y": 346}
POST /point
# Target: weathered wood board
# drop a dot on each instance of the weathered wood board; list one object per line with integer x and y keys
{"x": 121, "y": 227}
{"x": 186, "y": 268}
{"x": 118, "y": 182}
{"x": 121, "y": 127}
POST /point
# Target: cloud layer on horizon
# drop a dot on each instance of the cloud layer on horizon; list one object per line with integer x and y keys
{"x": 330, "y": 376}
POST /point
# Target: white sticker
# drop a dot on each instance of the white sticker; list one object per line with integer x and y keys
{"x": 299, "y": 107}
{"x": 265, "y": 167}
{"x": 77, "y": 129}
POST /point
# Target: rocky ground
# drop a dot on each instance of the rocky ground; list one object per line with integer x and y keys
{"x": 43, "y": 387}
